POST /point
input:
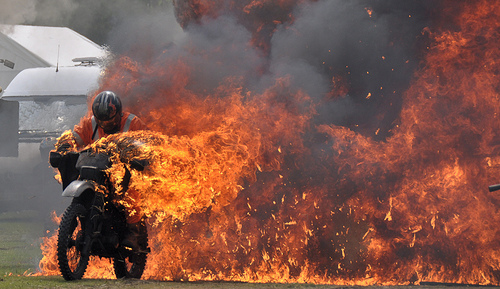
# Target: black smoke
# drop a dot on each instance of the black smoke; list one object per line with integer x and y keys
{"x": 356, "y": 58}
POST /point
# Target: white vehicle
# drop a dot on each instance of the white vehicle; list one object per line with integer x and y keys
{"x": 41, "y": 103}
{"x": 37, "y": 106}
{"x": 46, "y": 75}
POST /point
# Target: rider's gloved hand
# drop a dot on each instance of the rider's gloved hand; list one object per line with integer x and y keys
{"x": 63, "y": 147}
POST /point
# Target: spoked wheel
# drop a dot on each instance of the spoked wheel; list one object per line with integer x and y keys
{"x": 70, "y": 243}
{"x": 132, "y": 266}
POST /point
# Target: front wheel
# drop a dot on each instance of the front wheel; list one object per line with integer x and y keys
{"x": 71, "y": 257}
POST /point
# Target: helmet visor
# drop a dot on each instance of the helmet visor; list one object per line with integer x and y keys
{"x": 105, "y": 113}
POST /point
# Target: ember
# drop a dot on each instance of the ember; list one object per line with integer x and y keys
{"x": 251, "y": 180}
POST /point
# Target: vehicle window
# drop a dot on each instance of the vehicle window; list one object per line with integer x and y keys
{"x": 48, "y": 118}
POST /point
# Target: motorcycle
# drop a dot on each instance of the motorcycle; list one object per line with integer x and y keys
{"x": 94, "y": 224}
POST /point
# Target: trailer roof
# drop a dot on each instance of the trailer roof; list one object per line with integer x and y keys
{"x": 55, "y": 45}
{"x": 51, "y": 84}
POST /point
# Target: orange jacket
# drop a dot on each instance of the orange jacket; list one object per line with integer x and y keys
{"x": 83, "y": 131}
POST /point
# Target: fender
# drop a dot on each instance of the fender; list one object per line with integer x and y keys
{"x": 77, "y": 187}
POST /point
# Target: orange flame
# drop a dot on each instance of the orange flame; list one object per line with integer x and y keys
{"x": 243, "y": 186}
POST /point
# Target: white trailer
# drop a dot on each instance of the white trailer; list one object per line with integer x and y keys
{"x": 38, "y": 105}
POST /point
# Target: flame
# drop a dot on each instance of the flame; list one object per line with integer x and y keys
{"x": 369, "y": 11}
{"x": 243, "y": 186}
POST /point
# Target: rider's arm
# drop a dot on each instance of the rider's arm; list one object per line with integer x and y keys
{"x": 137, "y": 124}
{"x": 82, "y": 132}
{"x": 65, "y": 142}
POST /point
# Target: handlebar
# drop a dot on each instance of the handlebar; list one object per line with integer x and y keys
{"x": 493, "y": 188}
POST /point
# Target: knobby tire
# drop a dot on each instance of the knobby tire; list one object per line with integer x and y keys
{"x": 72, "y": 263}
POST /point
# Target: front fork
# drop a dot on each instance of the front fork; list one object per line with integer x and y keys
{"x": 92, "y": 229}
{"x": 96, "y": 214}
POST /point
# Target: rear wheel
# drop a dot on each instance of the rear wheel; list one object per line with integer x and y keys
{"x": 70, "y": 243}
{"x": 130, "y": 267}
{"x": 133, "y": 265}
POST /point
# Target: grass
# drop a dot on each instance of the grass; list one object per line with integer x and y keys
{"x": 58, "y": 282}
{"x": 20, "y": 242}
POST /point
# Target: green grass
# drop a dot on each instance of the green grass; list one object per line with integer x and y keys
{"x": 20, "y": 234}
{"x": 58, "y": 282}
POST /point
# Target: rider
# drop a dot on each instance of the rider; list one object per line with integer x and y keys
{"x": 108, "y": 118}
